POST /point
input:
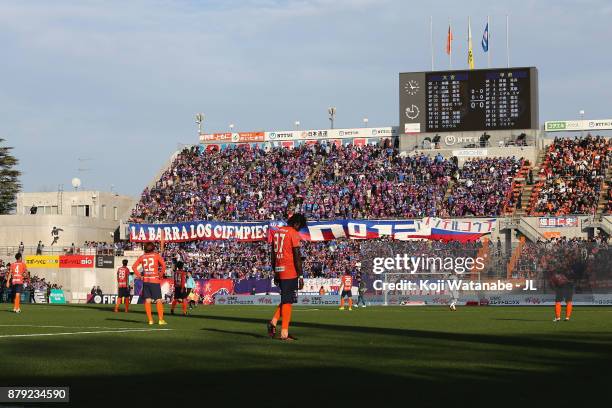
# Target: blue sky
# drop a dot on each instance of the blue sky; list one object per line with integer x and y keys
{"x": 119, "y": 82}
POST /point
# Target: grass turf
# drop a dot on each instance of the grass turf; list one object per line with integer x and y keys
{"x": 374, "y": 356}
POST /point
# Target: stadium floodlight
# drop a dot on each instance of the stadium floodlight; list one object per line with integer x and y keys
{"x": 199, "y": 119}
{"x": 365, "y": 122}
{"x": 581, "y": 113}
{"x": 76, "y": 183}
{"x": 332, "y": 115}
{"x": 297, "y": 124}
{"x": 231, "y": 126}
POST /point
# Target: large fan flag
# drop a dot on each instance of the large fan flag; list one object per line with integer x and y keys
{"x": 470, "y": 52}
{"x": 449, "y": 41}
{"x": 485, "y": 39}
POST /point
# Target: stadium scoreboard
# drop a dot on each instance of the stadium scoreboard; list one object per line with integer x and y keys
{"x": 468, "y": 100}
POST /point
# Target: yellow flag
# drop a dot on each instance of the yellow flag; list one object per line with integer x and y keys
{"x": 470, "y": 52}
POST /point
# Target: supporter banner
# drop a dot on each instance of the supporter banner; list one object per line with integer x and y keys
{"x": 42, "y": 261}
{"x": 312, "y": 286}
{"x": 57, "y": 297}
{"x": 105, "y": 261}
{"x": 76, "y": 261}
{"x": 426, "y": 228}
{"x": 259, "y": 286}
{"x": 577, "y": 125}
{"x": 459, "y": 229}
{"x": 211, "y": 288}
{"x": 199, "y": 231}
{"x": 558, "y": 222}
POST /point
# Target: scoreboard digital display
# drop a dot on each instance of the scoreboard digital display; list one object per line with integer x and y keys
{"x": 469, "y": 100}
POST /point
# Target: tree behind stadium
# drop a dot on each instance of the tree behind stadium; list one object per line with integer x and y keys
{"x": 9, "y": 179}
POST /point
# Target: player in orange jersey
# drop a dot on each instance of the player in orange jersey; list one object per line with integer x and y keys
{"x": 346, "y": 283}
{"x": 180, "y": 288}
{"x": 154, "y": 268}
{"x": 288, "y": 275}
{"x": 123, "y": 284}
{"x": 17, "y": 275}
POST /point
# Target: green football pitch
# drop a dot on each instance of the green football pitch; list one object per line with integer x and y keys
{"x": 378, "y": 356}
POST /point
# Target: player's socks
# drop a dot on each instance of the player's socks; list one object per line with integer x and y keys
{"x": 117, "y": 304}
{"x": 127, "y": 304}
{"x": 17, "y": 301}
{"x": 277, "y": 315}
{"x": 160, "y": 311}
{"x": 286, "y": 312}
{"x": 148, "y": 311}
{"x": 558, "y": 310}
{"x": 341, "y": 303}
{"x": 350, "y": 301}
{"x": 568, "y": 310}
{"x": 184, "y": 305}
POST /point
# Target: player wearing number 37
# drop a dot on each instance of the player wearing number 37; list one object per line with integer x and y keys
{"x": 288, "y": 275}
{"x": 154, "y": 268}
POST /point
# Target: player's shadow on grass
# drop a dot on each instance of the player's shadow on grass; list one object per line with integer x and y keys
{"x": 238, "y": 333}
{"x": 568, "y": 341}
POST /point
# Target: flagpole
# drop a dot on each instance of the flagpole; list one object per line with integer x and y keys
{"x": 450, "y": 48}
{"x": 470, "y": 60}
{"x": 488, "y": 42}
{"x": 431, "y": 41}
{"x": 508, "y": 40}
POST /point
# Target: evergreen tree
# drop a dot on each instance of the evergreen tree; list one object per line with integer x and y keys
{"x": 9, "y": 179}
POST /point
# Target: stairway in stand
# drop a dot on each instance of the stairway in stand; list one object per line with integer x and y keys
{"x": 530, "y": 192}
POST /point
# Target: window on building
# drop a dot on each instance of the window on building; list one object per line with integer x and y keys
{"x": 115, "y": 214}
{"x": 103, "y": 211}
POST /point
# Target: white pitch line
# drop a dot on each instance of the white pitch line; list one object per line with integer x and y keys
{"x": 83, "y": 332}
{"x": 67, "y": 327}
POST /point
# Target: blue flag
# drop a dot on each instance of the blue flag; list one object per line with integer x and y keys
{"x": 485, "y": 39}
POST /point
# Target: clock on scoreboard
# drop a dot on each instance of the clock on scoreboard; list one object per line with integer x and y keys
{"x": 469, "y": 100}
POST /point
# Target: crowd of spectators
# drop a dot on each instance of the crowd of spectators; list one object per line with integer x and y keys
{"x": 323, "y": 182}
{"x": 376, "y": 182}
{"x": 586, "y": 262}
{"x": 573, "y": 173}
{"x": 246, "y": 260}
{"x": 482, "y": 187}
{"x": 240, "y": 183}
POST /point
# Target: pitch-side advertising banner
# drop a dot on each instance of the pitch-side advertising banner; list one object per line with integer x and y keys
{"x": 426, "y": 228}
{"x": 42, "y": 261}
{"x": 577, "y": 125}
{"x": 295, "y": 135}
{"x": 76, "y": 261}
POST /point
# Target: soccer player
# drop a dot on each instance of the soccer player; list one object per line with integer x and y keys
{"x": 180, "y": 288}
{"x": 346, "y": 282}
{"x": 288, "y": 275}
{"x": 17, "y": 274}
{"x": 123, "y": 276}
{"x": 362, "y": 289}
{"x": 154, "y": 268}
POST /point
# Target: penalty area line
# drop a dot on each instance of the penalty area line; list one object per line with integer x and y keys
{"x": 81, "y": 332}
